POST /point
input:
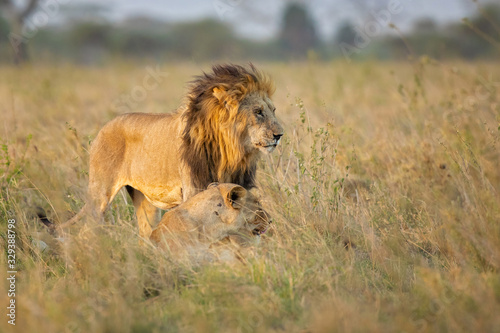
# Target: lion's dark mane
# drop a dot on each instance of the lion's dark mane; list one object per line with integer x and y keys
{"x": 209, "y": 129}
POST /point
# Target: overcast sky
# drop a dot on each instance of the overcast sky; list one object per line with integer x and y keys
{"x": 261, "y": 18}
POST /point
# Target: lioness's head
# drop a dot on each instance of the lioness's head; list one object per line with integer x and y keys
{"x": 237, "y": 208}
{"x": 211, "y": 215}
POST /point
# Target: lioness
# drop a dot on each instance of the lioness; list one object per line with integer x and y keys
{"x": 164, "y": 159}
{"x": 221, "y": 211}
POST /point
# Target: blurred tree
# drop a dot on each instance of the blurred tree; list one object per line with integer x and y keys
{"x": 484, "y": 29}
{"x": 425, "y": 26}
{"x": 4, "y": 29}
{"x": 141, "y": 36}
{"x": 78, "y": 13}
{"x": 488, "y": 21}
{"x": 142, "y": 43}
{"x": 83, "y": 32}
{"x": 345, "y": 34}
{"x": 96, "y": 34}
{"x": 207, "y": 39}
{"x": 17, "y": 19}
{"x": 298, "y": 33}
{"x": 4, "y": 39}
{"x": 91, "y": 41}
{"x": 478, "y": 36}
{"x": 89, "y": 34}
{"x": 426, "y": 38}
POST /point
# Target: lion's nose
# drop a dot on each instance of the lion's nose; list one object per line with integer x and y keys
{"x": 277, "y": 136}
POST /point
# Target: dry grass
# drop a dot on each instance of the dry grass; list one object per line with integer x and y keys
{"x": 400, "y": 159}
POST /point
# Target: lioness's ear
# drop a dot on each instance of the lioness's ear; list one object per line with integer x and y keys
{"x": 215, "y": 184}
{"x": 234, "y": 195}
{"x": 220, "y": 93}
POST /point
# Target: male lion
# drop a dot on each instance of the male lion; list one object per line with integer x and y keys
{"x": 219, "y": 212}
{"x": 164, "y": 159}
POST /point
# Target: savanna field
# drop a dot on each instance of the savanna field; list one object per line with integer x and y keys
{"x": 384, "y": 195}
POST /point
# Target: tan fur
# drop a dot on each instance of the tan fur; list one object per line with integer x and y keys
{"x": 221, "y": 211}
{"x": 164, "y": 159}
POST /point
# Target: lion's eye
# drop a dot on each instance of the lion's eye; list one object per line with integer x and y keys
{"x": 258, "y": 111}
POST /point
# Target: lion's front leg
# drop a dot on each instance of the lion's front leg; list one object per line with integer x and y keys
{"x": 188, "y": 190}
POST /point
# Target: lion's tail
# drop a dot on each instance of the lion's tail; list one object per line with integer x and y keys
{"x": 74, "y": 219}
{"x": 51, "y": 225}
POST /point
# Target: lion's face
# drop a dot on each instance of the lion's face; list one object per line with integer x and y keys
{"x": 228, "y": 120}
{"x": 264, "y": 130}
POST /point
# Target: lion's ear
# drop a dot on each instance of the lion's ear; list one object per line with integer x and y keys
{"x": 234, "y": 195}
{"x": 220, "y": 93}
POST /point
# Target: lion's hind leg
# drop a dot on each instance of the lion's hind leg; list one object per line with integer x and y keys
{"x": 101, "y": 196}
{"x": 146, "y": 213}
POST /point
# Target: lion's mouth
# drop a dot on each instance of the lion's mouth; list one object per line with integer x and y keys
{"x": 267, "y": 148}
{"x": 263, "y": 222}
{"x": 259, "y": 231}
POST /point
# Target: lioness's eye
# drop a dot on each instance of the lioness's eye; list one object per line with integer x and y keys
{"x": 258, "y": 111}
